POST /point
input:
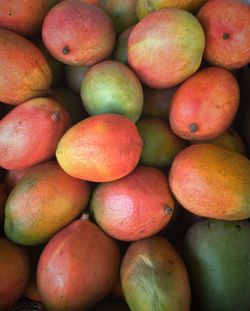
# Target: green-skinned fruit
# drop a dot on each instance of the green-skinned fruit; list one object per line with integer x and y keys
{"x": 217, "y": 255}
{"x": 154, "y": 277}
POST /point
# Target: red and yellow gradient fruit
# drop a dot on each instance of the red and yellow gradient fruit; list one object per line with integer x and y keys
{"x": 25, "y": 71}
{"x": 30, "y": 133}
{"x": 205, "y": 105}
{"x": 226, "y": 24}
{"x": 100, "y": 148}
{"x": 44, "y": 201}
{"x": 14, "y": 271}
{"x": 154, "y": 277}
{"x": 212, "y": 182}
{"x": 78, "y": 267}
{"x": 78, "y": 33}
{"x": 134, "y": 207}
{"x": 13, "y": 177}
{"x": 166, "y": 47}
{"x": 24, "y": 17}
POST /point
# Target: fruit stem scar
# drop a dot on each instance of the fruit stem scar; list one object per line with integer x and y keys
{"x": 55, "y": 115}
{"x": 193, "y": 127}
{"x": 226, "y": 35}
{"x": 66, "y": 50}
{"x": 168, "y": 210}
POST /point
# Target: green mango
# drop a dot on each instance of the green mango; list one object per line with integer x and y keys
{"x": 217, "y": 255}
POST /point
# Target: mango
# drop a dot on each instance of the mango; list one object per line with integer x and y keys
{"x": 226, "y": 24}
{"x": 120, "y": 52}
{"x": 24, "y": 17}
{"x": 14, "y": 271}
{"x": 100, "y": 148}
{"x": 43, "y": 202}
{"x": 161, "y": 145}
{"x": 74, "y": 76}
{"x": 145, "y": 7}
{"x": 217, "y": 256}
{"x": 86, "y": 35}
{"x": 29, "y": 134}
{"x": 78, "y": 267}
{"x": 26, "y": 71}
{"x": 122, "y": 13}
{"x": 205, "y": 105}
{"x": 134, "y": 207}
{"x": 111, "y": 87}
{"x": 154, "y": 277}
{"x": 212, "y": 182}
{"x": 166, "y": 47}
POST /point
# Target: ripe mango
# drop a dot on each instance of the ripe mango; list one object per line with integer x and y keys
{"x": 211, "y": 181}
{"x": 25, "y": 71}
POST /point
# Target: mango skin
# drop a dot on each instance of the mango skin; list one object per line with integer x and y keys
{"x": 24, "y": 17}
{"x": 120, "y": 52}
{"x": 226, "y": 24}
{"x": 78, "y": 267}
{"x": 166, "y": 47}
{"x": 212, "y": 182}
{"x": 207, "y": 101}
{"x": 77, "y": 33}
{"x": 161, "y": 145}
{"x": 217, "y": 256}
{"x": 230, "y": 140}
{"x": 154, "y": 277}
{"x": 14, "y": 270}
{"x": 145, "y": 7}
{"x": 111, "y": 87}
{"x": 134, "y": 207}
{"x": 29, "y": 134}
{"x": 100, "y": 148}
{"x": 44, "y": 201}
{"x": 26, "y": 71}
{"x": 122, "y": 13}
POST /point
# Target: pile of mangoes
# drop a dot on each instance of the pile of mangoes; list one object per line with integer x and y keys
{"x": 124, "y": 155}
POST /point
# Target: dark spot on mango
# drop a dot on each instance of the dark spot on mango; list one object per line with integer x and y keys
{"x": 66, "y": 50}
{"x": 226, "y": 36}
{"x": 168, "y": 210}
{"x": 193, "y": 127}
{"x": 238, "y": 227}
{"x": 9, "y": 13}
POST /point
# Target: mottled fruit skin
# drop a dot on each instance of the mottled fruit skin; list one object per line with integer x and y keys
{"x": 205, "y": 105}
{"x": 44, "y": 201}
{"x": 78, "y": 33}
{"x": 212, "y": 182}
{"x": 161, "y": 145}
{"x": 26, "y": 73}
{"x": 77, "y": 268}
{"x": 30, "y": 133}
{"x": 229, "y": 140}
{"x": 166, "y": 47}
{"x": 145, "y": 7}
{"x": 120, "y": 52}
{"x": 134, "y": 207}
{"x": 14, "y": 271}
{"x": 111, "y": 87}
{"x": 100, "y": 148}
{"x": 13, "y": 177}
{"x": 122, "y": 13}
{"x": 217, "y": 256}
{"x": 226, "y": 24}
{"x": 154, "y": 277}
{"x": 157, "y": 102}
{"x": 24, "y": 17}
